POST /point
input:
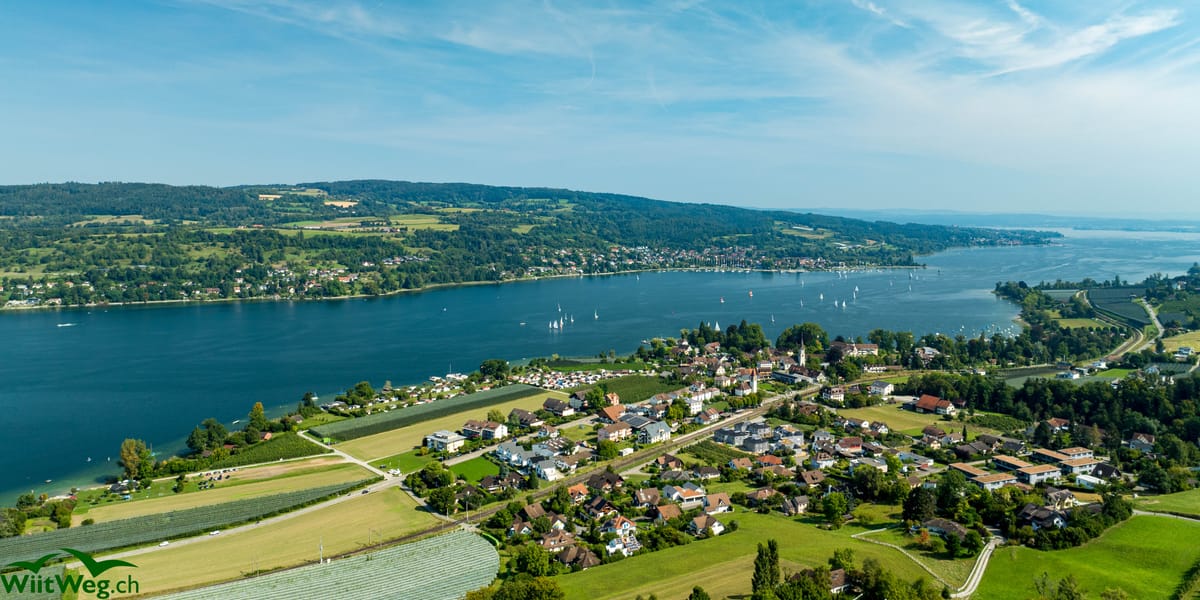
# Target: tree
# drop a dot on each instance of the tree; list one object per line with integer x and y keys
{"x": 494, "y": 368}
{"x": 698, "y": 593}
{"x": 442, "y": 500}
{"x": 921, "y": 505}
{"x": 197, "y": 440}
{"x": 811, "y": 335}
{"x": 258, "y": 418}
{"x": 973, "y": 542}
{"x": 954, "y": 544}
{"x": 534, "y": 560}
{"x": 843, "y": 558}
{"x": 496, "y": 416}
{"x": 135, "y": 458}
{"x": 835, "y": 506}
{"x": 215, "y": 432}
{"x": 607, "y": 450}
{"x": 766, "y": 568}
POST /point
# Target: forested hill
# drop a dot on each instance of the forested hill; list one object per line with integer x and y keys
{"x": 113, "y": 242}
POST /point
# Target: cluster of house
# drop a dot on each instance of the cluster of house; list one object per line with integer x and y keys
{"x": 641, "y": 422}
{"x": 664, "y": 504}
{"x": 551, "y": 457}
{"x": 1032, "y": 466}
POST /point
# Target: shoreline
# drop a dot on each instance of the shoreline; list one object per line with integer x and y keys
{"x": 435, "y": 287}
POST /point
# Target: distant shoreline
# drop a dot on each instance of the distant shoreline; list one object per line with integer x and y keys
{"x": 433, "y": 287}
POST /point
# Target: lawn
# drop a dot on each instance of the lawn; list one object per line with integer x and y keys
{"x": 1082, "y": 323}
{"x": 568, "y": 366}
{"x": 343, "y": 527}
{"x": 1114, "y": 373}
{"x": 1186, "y": 503}
{"x": 1145, "y": 556}
{"x": 404, "y": 439}
{"x": 723, "y": 566}
{"x": 1173, "y": 343}
{"x": 239, "y": 487}
{"x": 897, "y": 418}
{"x": 407, "y": 462}
{"x": 576, "y": 433}
{"x": 475, "y": 469}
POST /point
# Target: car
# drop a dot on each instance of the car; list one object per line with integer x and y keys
{"x": 215, "y": 532}
{"x": 163, "y": 543}
{"x": 365, "y": 491}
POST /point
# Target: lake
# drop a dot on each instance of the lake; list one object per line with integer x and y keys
{"x": 71, "y": 393}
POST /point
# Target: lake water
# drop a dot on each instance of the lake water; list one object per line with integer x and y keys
{"x": 68, "y": 394}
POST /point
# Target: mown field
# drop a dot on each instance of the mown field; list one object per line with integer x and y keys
{"x": 897, "y": 418}
{"x": 1190, "y": 339}
{"x": 1145, "y": 556}
{"x": 342, "y": 527}
{"x": 1185, "y": 503}
{"x": 723, "y": 566}
{"x": 242, "y": 485}
{"x": 404, "y": 439}
{"x": 475, "y": 469}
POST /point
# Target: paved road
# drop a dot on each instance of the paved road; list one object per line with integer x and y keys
{"x": 977, "y": 571}
{"x": 362, "y": 463}
{"x": 1158, "y": 328}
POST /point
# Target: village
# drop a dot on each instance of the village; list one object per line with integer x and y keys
{"x": 772, "y": 437}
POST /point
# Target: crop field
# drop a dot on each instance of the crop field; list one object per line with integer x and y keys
{"x": 406, "y": 438}
{"x": 635, "y": 388}
{"x": 1082, "y": 324}
{"x": 443, "y": 567}
{"x": 231, "y": 491}
{"x": 569, "y": 365}
{"x": 343, "y": 527}
{"x": 380, "y": 422}
{"x": 1185, "y": 503}
{"x": 1060, "y": 295}
{"x": 162, "y": 526}
{"x": 1145, "y": 556}
{"x": 1119, "y": 301}
{"x": 723, "y": 565}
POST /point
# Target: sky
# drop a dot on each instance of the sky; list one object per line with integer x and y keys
{"x": 988, "y": 105}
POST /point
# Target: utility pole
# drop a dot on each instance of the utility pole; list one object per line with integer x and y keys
{"x": 321, "y": 551}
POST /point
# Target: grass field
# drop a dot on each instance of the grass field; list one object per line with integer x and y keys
{"x": 1173, "y": 343}
{"x": 1145, "y": 556}
{"x": 251, "y": 485}
{"x": 897, "y": 418}
{"x": 404, "y": 439}
{"x": 407, "y": 462}
{"x": 343, "y": 527}
{"x": 568, "y": 366}
{"x": 723, "y": 566}
{"x": 475, "y": 469}
{"x": 1082, "y": 323}
{"x": 1114, "y": 373}
{"x": 1187, "y": 503}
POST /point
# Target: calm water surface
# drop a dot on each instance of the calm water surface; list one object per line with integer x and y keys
{"x": 68, "y": 394}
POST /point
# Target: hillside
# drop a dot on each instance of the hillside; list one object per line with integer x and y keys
{"x": 131, "y": 242}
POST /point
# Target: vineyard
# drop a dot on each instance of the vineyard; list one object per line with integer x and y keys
{"x": 1118, "y": 302}
{"x": 436, "y": 568}
{"x": 283, "y": 445}
{"x": 162, "y": 526}
{"x": 380, "y": 422}
{"x": 715, "y": 454}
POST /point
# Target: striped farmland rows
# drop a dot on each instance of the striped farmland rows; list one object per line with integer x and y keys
{"x": 443, "y": 567}
{"x": 386, "y": 421}
{"x": 161, "y": 526}
{"x": 1119, "y": 302}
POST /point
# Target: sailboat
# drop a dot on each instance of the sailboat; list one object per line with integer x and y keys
{"x": 717, "y": 325}
{"x": 559, "y": 308}
{"x": 751, "y": 293}
{"x": 572, "y": 318}
{"x": 722, "y": 299}
{"x": 821, "y": 296}
{"x": 856, "y": 289}
{"x": 596, "y": 315}
{"x": 772, "y": 318}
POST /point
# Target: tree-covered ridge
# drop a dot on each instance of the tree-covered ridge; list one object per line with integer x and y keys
{"x": 75, "y": 243}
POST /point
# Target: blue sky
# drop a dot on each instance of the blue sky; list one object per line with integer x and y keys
{"x": 937, "y": 104}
